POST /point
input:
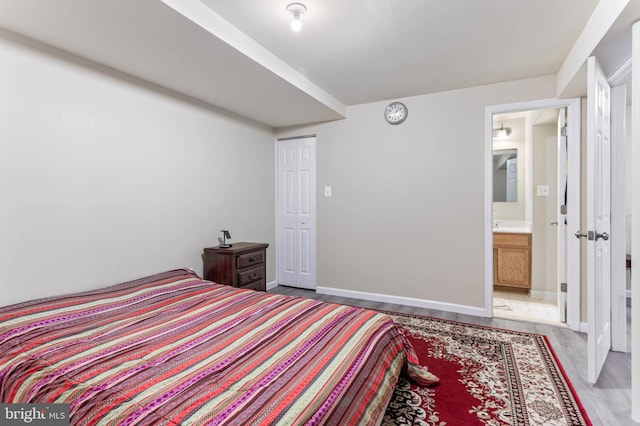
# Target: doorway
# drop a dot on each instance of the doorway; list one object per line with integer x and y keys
{"x": 533, "y": 132}
{"x": 525, "y": 149}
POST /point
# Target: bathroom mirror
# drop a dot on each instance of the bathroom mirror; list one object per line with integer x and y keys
{"x": 505, "y": 175}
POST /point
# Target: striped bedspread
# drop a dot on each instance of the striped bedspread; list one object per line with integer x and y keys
{"x": 173, "y": 349}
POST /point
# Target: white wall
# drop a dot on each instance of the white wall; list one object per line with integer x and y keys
{"x": 407, "y": 213}
{"x": 544, "y": 238}
{"x": 105, "y": 179}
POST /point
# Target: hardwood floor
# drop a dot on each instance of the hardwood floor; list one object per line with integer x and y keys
{"x": 608, "y": 402}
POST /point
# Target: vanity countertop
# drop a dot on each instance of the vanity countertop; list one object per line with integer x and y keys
{"x": 512, "y": 230}
{"x": 516, "y": 226}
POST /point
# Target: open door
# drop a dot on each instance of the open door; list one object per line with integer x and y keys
{"x": 561, "y": 217}
{"x": 598, "y": 258}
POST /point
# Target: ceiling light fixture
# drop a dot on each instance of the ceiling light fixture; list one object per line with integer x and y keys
{"x": 296, "y": 10}
{"x": 502, "y": 132}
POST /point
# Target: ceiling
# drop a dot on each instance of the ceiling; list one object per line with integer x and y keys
{"x": 363, "y": 51}
{"x": 241, "y": 55}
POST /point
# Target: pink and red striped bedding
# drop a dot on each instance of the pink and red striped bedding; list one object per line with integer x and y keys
{"x": 174, "y": 349}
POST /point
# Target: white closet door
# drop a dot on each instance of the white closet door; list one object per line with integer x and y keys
{"x": 297, "y": 212}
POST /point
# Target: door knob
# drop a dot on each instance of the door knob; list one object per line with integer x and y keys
{"x": 553, "y": 222}
{"x": 590, "y": 235}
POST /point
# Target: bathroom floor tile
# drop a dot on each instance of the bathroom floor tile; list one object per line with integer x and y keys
{"x": 518, "y": 305}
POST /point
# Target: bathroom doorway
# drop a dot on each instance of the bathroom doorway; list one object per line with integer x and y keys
{"x": 525, "y": 260}
{"x": 525, "y": 157}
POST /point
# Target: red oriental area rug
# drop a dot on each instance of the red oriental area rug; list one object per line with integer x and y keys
{"x": 488, "y": 376}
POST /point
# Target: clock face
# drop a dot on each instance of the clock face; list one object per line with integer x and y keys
{"x": 395, "y": 113}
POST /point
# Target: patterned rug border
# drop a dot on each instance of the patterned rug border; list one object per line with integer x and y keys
{"x": 541, "y": 338}
{"x": 566, "y": 380}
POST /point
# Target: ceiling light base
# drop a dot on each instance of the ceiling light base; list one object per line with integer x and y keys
{"x": 297, "y": 8}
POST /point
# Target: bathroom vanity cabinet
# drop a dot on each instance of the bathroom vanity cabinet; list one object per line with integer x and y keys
{"x": 512, "y": 259}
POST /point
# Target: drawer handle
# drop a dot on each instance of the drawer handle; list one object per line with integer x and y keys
{"x": 252, "y": 276}
{"x": 252, "y": 259}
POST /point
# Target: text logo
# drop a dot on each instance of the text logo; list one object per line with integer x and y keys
{"x": 34, "y": 414}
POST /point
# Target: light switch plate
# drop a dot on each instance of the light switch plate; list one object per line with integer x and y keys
{"x": 542, "y": 190}
{"x": 327, "y": 191}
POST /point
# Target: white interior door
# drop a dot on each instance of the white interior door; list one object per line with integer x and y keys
{"x": 297, "y": 212}
{"x": 561, "y": 217}
{"x": 598, "y": 219}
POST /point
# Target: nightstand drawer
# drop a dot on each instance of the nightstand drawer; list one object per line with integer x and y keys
{"x": 249, "y": 275}
{"x": 250, "y": 259}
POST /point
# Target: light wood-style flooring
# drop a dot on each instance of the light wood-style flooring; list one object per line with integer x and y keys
{"x": 608, "y": 402}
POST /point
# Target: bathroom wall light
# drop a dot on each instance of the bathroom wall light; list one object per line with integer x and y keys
{"x": 296, "y": 10}
{"x": 502, "y": 132}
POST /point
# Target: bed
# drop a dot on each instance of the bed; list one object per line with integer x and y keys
{"x": 173, "y": 349}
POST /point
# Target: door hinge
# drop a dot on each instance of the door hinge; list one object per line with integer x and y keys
{"x": 563, "y": 209}
{"x": 563, "y": 131}
{"x": 563, "y": 287}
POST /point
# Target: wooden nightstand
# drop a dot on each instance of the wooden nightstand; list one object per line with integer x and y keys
{"x": 243, "y": 265}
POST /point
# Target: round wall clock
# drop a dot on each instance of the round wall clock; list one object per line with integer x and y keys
{"x": 395, "y": 113}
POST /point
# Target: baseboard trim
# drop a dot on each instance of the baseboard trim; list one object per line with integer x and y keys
{"x": 401, "y": 300}
{"x": 545, "y": 295}
{"x": 271, "y": 285}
